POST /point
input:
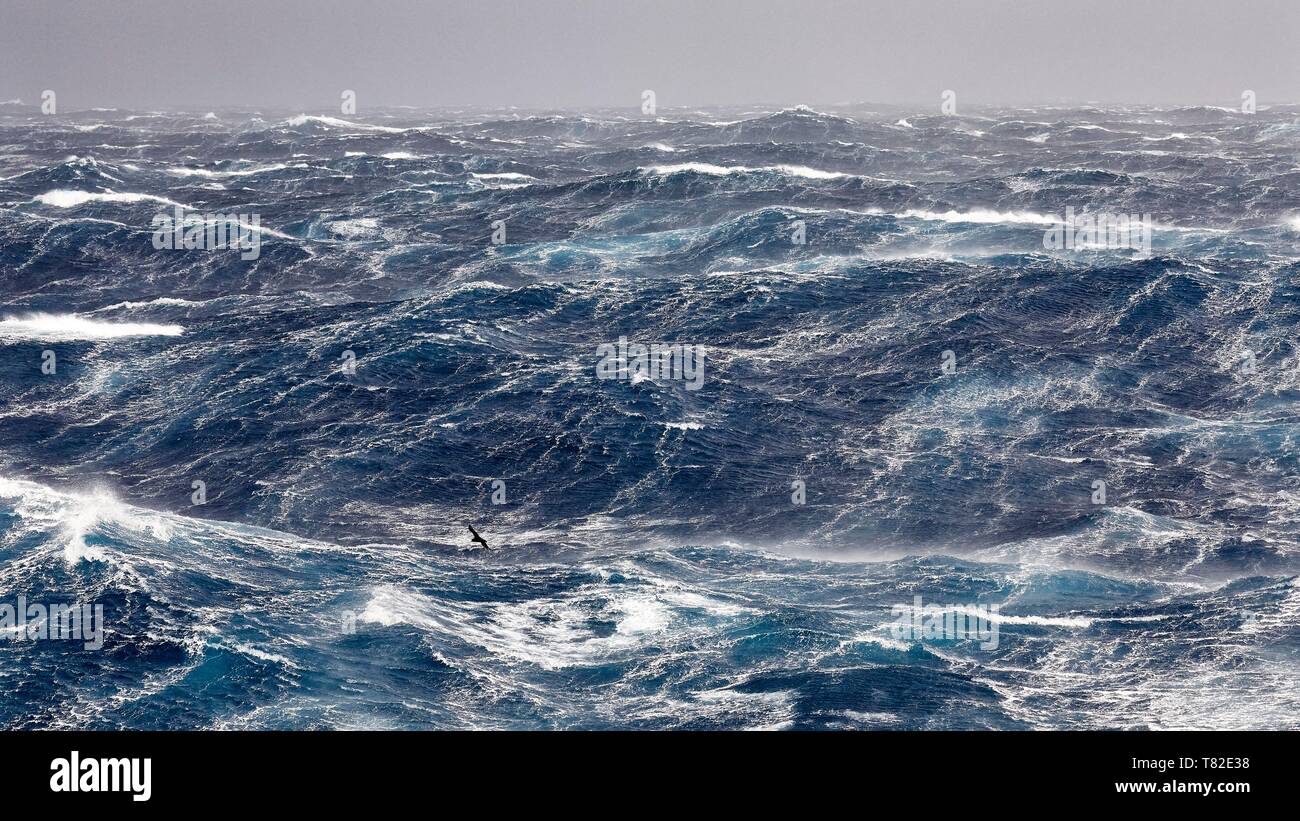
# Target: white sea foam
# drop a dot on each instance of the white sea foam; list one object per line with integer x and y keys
{"x": 76, "y": 515}
{"x": 352, "y": 228}
{"x": 884, "y": 641}
{"x": 208, "y": 173}
{"x": 504, "y": 175}
{"x": 1040, "y": 621}
{"x": 190, "y": 220}
{"x": 261, "y": 655}
{"x": 977, "y": 215}
{"x": 504, "y": 180}
{"x": 64, "y": 198}
{"x": 558, "y": 631}
{"x": 1178, "y": 135}
{"x": 66, "y": 327}
{"x": 871, "y": 719}
{"x": 642, "y": 614}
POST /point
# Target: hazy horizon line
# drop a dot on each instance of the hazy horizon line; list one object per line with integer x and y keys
{"x": 770, "y": 106}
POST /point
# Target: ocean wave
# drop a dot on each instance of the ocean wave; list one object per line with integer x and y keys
{"x": 903, "y": 395}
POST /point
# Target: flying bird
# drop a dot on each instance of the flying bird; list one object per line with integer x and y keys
{"x": 477, "y": 538}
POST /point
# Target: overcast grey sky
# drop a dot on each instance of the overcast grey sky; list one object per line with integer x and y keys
{"x": 581, "y": 53}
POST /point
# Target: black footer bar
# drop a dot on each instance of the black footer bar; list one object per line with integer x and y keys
{"x": 142, "y": 772}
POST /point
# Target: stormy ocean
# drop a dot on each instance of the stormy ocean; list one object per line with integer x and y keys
{"x": 906, "y": 384}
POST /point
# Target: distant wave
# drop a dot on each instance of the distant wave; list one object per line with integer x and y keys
{"x": 724, "y": 170}
{"x": 67, "y": 327}
{"x": 162, "y": 300}
{"x": 335, "y": 122}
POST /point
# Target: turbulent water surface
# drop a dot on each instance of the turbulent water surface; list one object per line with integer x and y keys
{"x": 651, "y": 567}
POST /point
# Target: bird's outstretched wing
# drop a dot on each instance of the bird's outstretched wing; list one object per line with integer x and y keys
{"x": 477, "y": 538}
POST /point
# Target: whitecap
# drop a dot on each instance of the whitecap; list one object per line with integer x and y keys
{"x": 504, "y": 180}
{"x": 725, "y": 170}
{"x": 352, "y": 228}
{"x": 335, "y": 122}
{"x": 67, "y": 327}
{"x": 65, "y": 198}
{"x": 504, "y": 175}
{"x": 162, "y": 300}
{"x": 243, "y": 172}
{"x": 77, "y": 515}
{"x": 978, "y": 215}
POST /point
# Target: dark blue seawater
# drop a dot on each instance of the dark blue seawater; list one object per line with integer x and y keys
{"x": 650, "y": 565}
